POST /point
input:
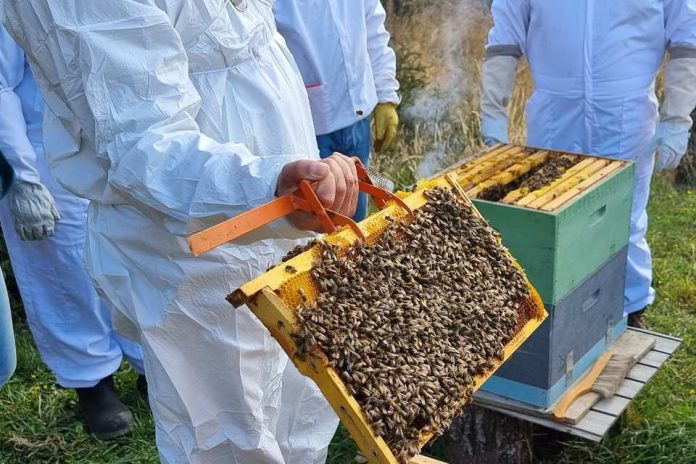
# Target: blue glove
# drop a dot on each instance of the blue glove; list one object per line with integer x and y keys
{"x": 672, "y": 141}
{"x": 494, "y": 131}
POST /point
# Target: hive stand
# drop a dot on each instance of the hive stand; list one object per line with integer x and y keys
{"x": 588, "y": 417}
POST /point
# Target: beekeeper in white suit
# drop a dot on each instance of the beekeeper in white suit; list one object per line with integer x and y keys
{"x": 343, "y": 53}
{"x": 44, "y": 228}
{"x": 594, "y": 65}
{"x": 171, "y": 115}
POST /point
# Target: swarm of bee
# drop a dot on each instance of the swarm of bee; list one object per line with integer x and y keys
{"x": 533, "y": 180}
{"x": 410, "y": 321}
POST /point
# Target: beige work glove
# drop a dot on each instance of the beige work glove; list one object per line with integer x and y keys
{"x": 34, "y": 210}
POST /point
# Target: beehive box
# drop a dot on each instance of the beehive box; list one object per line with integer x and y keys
{"x": 570, "y": 235}
{"x": 559, "y": 235}
{"x": 576, "y": 333}
{"x": 276, "y": 296}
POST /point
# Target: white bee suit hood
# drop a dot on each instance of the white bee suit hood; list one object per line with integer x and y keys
{"x": 170, "y": 115}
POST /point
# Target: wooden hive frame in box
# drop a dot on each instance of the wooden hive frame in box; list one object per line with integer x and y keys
{"x": 273, "y": 296}
{"x": 502, "y": 164}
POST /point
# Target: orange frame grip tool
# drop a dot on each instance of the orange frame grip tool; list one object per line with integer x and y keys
{"x": 305, "y": 200}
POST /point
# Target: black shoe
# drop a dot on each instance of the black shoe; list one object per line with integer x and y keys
{"x": 106, "y": 416}
{"x": 637, "y": 319}
{"x": 141, "y": 385}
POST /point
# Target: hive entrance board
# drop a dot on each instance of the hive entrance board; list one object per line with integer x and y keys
{"x": 275, "y": 296}
{"x": 532, "y": 178}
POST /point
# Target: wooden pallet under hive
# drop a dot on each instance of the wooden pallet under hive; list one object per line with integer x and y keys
{"x": 275, "y": 296}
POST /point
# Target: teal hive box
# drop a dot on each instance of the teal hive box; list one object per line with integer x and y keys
{"x": 560, "y": 249}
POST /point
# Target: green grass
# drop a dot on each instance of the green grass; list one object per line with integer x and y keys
{"x": 39, "y": 423}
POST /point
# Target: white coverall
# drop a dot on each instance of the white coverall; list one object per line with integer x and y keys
{"x": 71, "y": 325}
{"x": 171, "y": 115}
{"x": 342, "y": 50}
{"x": 594, "y": 65}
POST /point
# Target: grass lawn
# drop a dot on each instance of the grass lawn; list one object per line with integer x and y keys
{"x": 39, "y": 423}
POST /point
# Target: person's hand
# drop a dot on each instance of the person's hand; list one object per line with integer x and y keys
{"x": 336, "y": 188}
{"x": 386, "y": 125}
{"x": 34, "y": 210}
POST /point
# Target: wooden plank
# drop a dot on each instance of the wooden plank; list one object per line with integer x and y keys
{"x": 469, "y": 179}
{"x": 576, "y": 191}
{"x": 580, "y": 407}
{"x": 420, "y": 459}
{"x": 474, "y": 159}
{"x": 508, "y": 175}
{"x": 490, "y": 399}
{"x": 613, "y": 406}
{"x": 475, "y": 165}
{"x": 519, "y": 198}
{"x": 641, "y": 373}
{"x": 666, "y": 345}
{"x": 632, "y": 343}
{"x": 561, "y": 427}
{"x": 630, "y": 388}
{"x": 544, "y": 195}
{"x": 654, "y": 359}
{"x": 570, "y": 184}
{"x": 658, "y": 335}
{"x": 596, "y": 422}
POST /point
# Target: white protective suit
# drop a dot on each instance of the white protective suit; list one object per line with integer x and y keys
{"x": 170, "y": 115}
{"x": 342, "y": 50}
{"x": 594, "y": 65}
{"x": 71, "y": 325}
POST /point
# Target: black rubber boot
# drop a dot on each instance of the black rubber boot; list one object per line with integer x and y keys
{"x": 141, "y": 385}
{"x": 106, "y": 416}
{"x": 637, "y": 319}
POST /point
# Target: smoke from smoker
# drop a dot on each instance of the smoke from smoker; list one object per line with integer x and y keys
{"x": 450, "y": 88}
{"x": 432, "y": 162}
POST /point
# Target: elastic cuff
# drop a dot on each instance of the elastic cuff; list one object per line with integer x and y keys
{"x": 91, "y": 377}
{"x": 682, "y": 51}
{"x": 640, "y": 304}
{"x": 504, "y": 50}
{"x": 389, "y": 97}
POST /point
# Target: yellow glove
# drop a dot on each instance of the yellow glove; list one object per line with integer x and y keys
{"x": 386, "y": 121}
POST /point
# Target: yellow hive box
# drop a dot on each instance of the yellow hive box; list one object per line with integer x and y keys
{"x": 273, "y": 296}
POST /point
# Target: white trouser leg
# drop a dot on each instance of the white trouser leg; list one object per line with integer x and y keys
{"x": 639, "y": 292}
{"x": 307, "y": 422}
{"x": 214, "y": 372}
{"x": 70, "y": 324}
{"x": 132, "y": 352}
